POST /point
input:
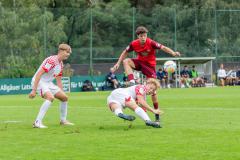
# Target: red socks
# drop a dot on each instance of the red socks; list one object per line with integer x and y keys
{"x": 130, "y": 77}
{"x": 155, "y": 105}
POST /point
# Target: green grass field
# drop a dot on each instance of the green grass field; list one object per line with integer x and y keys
{"x": 198, "y": 124}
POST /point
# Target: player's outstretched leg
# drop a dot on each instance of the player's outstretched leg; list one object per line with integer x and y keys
{"x": 126, "y": 117}
{"x": 117, "y": 110}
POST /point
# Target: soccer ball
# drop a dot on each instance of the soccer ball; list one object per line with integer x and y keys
{"x": 169, "y": 66}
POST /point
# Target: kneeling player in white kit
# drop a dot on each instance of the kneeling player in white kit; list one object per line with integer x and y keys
{"x": 42, "y": 84}
{"x": 133, "y": 97}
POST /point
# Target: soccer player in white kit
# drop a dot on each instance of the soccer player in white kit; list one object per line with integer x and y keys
{"x": 42, "y": 83}
{"x": 133, "y": 97}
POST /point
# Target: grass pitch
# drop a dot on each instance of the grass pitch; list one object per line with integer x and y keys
{"x": 198, "y": 124}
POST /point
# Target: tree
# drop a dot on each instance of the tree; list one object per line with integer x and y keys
{"x": 22, "y": 33}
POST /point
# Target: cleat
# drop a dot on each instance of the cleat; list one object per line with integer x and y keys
{"x": 153, "y": 124}
{"x": 66, "y": 123}
{"x": 158, "y": 122}
{"x": 126, "y": 117}
{"x": 38, "y": 124}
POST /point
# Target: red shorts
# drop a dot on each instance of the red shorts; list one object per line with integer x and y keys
{"x": 148, "y": 70}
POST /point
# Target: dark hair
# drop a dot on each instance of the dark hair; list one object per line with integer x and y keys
{"x": 141, "y": 30}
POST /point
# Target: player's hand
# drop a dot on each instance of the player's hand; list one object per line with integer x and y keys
{"x": 161, "y": 112}
{"x": 158, "y": 111}
{"x": 115, "y": 67}
{"x": 32, "y": 94}
{"x": 177, "y": 54}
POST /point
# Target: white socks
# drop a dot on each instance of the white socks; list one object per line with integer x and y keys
{"x": 46, "y": 104}
{"x": 139, "y": 111}
{"x": 63, "y": 111}
{"x": 117, "y": 111}
{"x": 142, "y": 114}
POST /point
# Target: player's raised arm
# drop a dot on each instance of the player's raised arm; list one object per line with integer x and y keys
{"x": 37, "y": 79}
{"x": 170, "y": 51}
{"x": 157, "y": 45}
{"x": 123, "y": 55}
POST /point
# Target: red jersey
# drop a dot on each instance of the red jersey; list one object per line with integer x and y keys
{"x": 146, "y": 52}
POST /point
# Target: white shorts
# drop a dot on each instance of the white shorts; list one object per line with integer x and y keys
{"x": 119, "y": 96}
{"x": 44, "y": 87}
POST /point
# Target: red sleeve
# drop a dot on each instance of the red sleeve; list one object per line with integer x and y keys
{"x": 129, "y": 48}
{"x": 49, "y": 64}
{"x": 140, "y": 90}
{"x": 156, "y": 45}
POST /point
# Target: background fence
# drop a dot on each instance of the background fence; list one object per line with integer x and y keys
{"x": 98, "y": 35}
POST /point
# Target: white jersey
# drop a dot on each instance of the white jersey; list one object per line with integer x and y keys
{"x": 122, "y": 95}
{"x": 221, "y": 73}
{"x": 135, "y": 90}
{"x": 52, "y": 68}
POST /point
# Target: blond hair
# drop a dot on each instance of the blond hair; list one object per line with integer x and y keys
{"x": 64, "y": 47}
{"x": 153, "y": 81}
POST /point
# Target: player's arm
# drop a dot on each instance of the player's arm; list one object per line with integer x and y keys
{"x": 59, "y": 82}
{"x": 157, "y": 45}
{"x": 123, "y": 55}
{"x": 36, "y": 81}
{"x": 170, "y": 51}
{"x": 143, "y": 103}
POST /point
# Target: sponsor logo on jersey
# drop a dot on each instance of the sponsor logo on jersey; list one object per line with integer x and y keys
{"x": 144, "y": 53}
{"x": 48, "y": 66}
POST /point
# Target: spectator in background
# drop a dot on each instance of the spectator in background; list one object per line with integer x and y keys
{"x": 112, "y": 79}
{"x": 196, "y": 80}
{"x": 231, "y": 78}
{"x": 162, "y": 76}
{"x": 238, "y": 77}
{"x": 125, "y": 79}
{"x": 171, "y": 78}
{"x": 185, "y": 77}
{"x": 221, "y": 74}
{"x": 87, "y": 86}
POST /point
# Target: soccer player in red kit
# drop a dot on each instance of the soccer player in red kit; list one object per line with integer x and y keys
{"x": 145, "y": 61}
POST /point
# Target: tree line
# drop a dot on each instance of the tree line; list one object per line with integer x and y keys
{"x": 32, "y": 30}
